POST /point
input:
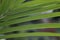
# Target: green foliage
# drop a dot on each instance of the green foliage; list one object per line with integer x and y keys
{"x": 11, "y": 12}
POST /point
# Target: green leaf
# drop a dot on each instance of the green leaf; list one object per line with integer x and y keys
{"x": 29, "y": 18}
{"x": 30, "y": 26}
{"x": 31, "y": 34}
